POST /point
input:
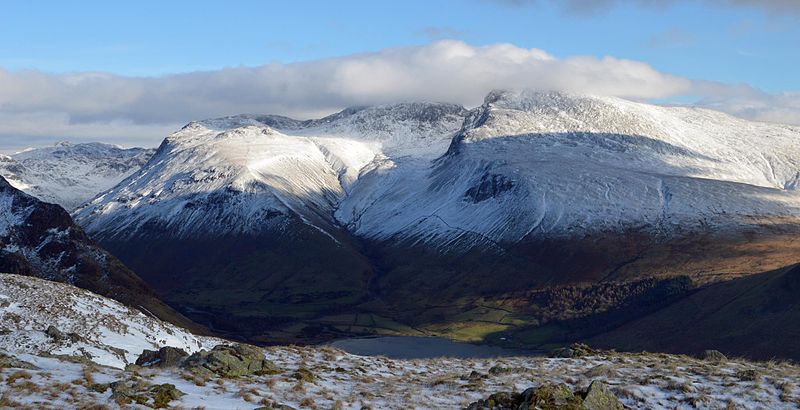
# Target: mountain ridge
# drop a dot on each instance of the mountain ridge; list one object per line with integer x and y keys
{"x": 353, "y": 215}
{"x": 40, "y": 239}
{"x": 71, "y": 174}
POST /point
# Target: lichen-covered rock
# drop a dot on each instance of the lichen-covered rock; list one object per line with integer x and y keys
{"x": 163, "y": 394}
{"x": 598, "y": 397}
{"x": 138, "y": 391}
{"x": 545, "y": 397}
{"x": 230, "y": 361}
{"x": 166, "y": 356}
{"x": 714, "y": 356}
{"x": 575, "y": 350}
{"x": 551, "y": 396}
{"x": 129, "y": 391}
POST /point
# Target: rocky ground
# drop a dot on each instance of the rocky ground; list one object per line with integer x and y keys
{"x": 243, "y": 377}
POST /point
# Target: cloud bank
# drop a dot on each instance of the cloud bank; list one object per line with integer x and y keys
{"x": 589, "y": 7}
{"x": 142, "y": 110}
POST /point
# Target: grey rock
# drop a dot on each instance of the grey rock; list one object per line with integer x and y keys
{"x": 166, "y": 356}
{"x": 598, "y": 397}
{"x": 714, "y": 356}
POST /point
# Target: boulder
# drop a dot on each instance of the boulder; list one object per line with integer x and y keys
{"x": 138, "y": 391}
{"x": 166, "y": 356}
{"x": 574, "y": 351}
{"x": 546, "y": 396}
{"x": 230, "y": 361}
{"x": 54, "y": 333}
{"x": 552, "y": 396}
{"x": 163, "y": 394}
{"x": 598, "y": 397}
{"x": 714, "y": 356}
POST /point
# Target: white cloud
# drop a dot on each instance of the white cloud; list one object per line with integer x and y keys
{"x": 748, "y": 102}
{"x": 589, "y": 7}
{"x": 141, "y": 110}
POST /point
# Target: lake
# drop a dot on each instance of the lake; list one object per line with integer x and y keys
{"x": 411, "y": 347}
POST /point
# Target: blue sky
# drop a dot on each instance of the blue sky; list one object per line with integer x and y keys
{"x": 731, "y": 44}
{"x": 742, "y": 43}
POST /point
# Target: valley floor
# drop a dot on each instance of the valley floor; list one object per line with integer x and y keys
{"x": 325, "y": 378}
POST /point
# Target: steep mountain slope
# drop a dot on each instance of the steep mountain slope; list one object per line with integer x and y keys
{"x": 421, "y": 214}
{"x": 756, "y": 317}
{"x": 233, "y": 215}
{"x": 546, "y": 189}
{"x": 71, "y": 174}
{"x": 60, "y": 319}
{"x": 40, "y": 239}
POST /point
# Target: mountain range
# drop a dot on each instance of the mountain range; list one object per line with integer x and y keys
{"x": 71, "y": 174}
{"x": 532, "y": 211}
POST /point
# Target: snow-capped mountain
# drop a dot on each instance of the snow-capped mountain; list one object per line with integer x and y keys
{"x": 240, "y": 175}
{"x": 546, "y": 164}
{"x": 524, "y": 163}
{"x": 71, "y": 174}
{"x": 409, "y": 203}
{"x": 39, "y": 239}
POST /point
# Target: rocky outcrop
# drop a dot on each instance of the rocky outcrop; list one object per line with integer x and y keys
{"x": 598, "y": 397}
{"x": 166, "y": 356}
{"x": 230, "y": 361}
{"x": 552, "y": 396}
{"x": 138, "y": 391}
{"x": 574, "y": 351}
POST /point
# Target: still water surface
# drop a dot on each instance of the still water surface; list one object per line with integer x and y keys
{"x": 410, "y": 347}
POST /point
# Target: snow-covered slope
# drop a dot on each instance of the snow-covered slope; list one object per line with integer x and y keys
{"x": 524, "y": 163}
{"x": 239, "y": 175}
{"x": 71, "y": 174}
{"x": 91, "y": 326}
{"x": 40, "y": 239}
{"x": 411, "y": 203}
{"x": 549, "y": 164}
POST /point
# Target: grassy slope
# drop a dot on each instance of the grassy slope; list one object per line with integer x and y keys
{"x": 756, "y": 316}
{"x": 306, "y": 288}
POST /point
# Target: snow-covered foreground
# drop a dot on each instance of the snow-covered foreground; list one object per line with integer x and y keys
{"x": 339, "y": 380}
{"x": 326, "y": 377}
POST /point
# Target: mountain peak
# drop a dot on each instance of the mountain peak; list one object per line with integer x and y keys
{"x": 528, "y": 99}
